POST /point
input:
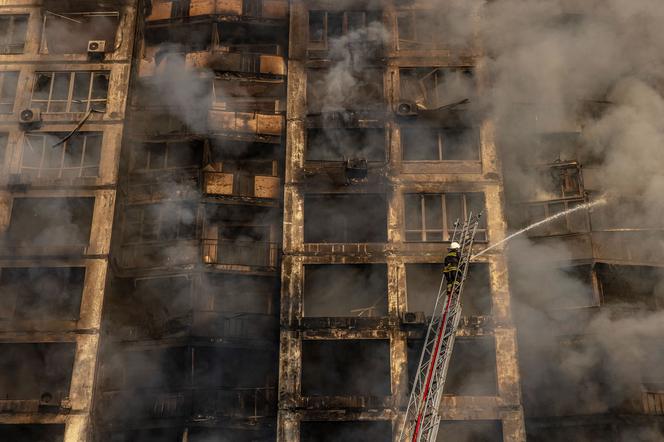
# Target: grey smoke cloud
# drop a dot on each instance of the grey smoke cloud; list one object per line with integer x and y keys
{"x": 552, "y": 59}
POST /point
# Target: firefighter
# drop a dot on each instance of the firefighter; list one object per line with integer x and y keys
{"x": 451, "y": 264}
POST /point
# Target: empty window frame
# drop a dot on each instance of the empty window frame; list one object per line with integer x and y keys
{"x": 435, "y": 87}
{"x": 69, "y": 33}
{"x": 563, "y": 181}
{"x": 39, "y": 222}
{"x": 440, "y": 144}
{"x": 41, "y": 293}
{"x": 357, "y": 367}
{"x": 167, "y": 155}
{"x": 38, "y": 371}
{"x": 8, "y": 83}
{"x": 4, "y": 141}
{"x": 342, "y": 431}
{"x": 32, "y": 432}
{"x": 80, "y": 91}
{"x": 337, "y": 144}
{"x": 13, "y": 29}
{"x": 472, "y": 430}
{"x": 345, "y": 290}
{"x": 238, "y": 293}
{"x": 472, "y": 369}
{"x": 431, "y": 216}
{"x": 423, "y": 281}
{"x": 159, "y": 222}
{"x": 345, "y": 218}
{"x": 363, "y": 92}
{"x": 576, "y": 222}
{"x": 328, "y": 25}
{"x": 418, "y": 29}
{"x": 45, "y": 157}
{"x": 637, "y": 286}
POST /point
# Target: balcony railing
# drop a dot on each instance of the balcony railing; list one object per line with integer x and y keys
{"x": 240, "y": 252}
{"x": 226, "y": 402}
{"x": 256, "y": 186}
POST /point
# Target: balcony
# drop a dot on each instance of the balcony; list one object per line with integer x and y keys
{"x": 161, "y": 184}
{"x": 241, "y": 125}
{"x": 200, "y": 403}
{"x": 232, "y": 327}
{"x": 242, "y": 185}
{"x": 265, "y": 9}
{"x": 241, "y": 59}
{"x": 235, "y": 254}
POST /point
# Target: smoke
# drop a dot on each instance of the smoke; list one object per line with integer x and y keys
{"x": 582, "y": 82}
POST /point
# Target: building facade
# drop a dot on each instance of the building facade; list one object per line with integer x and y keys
{"x": 58, "y": 191}
{"x": 225, "y": 220}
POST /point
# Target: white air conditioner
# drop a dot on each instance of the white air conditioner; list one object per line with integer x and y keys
{"x": 29, "y": 117}
{"x": 96, "y": 46}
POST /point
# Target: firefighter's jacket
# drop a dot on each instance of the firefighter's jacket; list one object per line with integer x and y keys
{"x": 451, "y": 263}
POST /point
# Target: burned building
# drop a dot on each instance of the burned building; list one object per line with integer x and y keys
{"x": 64, "y": 79}
{"x": 226, "y": 220}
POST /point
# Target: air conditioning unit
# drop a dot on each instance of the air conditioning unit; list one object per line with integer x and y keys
{"x": 29, "y": 117}
{"x": 406, "y": 109}
{"x": 96, "y": 47}
{"x": 413, "y": 318}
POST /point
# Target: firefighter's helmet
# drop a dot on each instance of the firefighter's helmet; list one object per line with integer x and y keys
{"x": 455, "y": 246}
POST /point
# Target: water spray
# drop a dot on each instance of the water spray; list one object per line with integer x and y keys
{"x": 599, "y": 202}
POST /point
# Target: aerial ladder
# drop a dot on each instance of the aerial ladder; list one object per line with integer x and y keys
{"x": 422, "y": 413}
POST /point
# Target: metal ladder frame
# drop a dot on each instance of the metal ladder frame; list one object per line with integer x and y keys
{"x": 422, "y": 415}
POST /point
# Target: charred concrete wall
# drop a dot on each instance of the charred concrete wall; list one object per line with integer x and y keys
{"x": 62, "y": 119}
{"x": 405, "y": 182}
{"x": 191, "y": 321}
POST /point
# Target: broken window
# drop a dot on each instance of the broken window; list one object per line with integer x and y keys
{"x": 8, "y": 83}
{"x": 159, "y": 222}
{"x": 362, "y": 90}
{"x": 335, "y": 144}
{"x": 471, "y": 430}
{"x": 234, "y": 368}
{"x": 345, "y": 218}
{"x": 32, "y": 432}
{"x": 575, "y": 222}
{"x": 345, "y": 290}
{"x": 325, "y": 26}
{"x": 41, "y": 293}
{"x": 587, "y": 432}
{"x": 155, "y": 368}
{"x": 423, "y": 282}
{"x": 13, "y": 29}
{"x": 638, "y": 286}
{"x": 240, "y": 235}
{"x": 167, "y": 155}
{"x": 240, "y": 96}
{"x": 432, "y": 88}
{"x": 238, "y": 293}
{"x": 431, "y": 216}
{"x": 39, "y": 222}
{"x": 342, "y": 431}
{"x": 421, "y": 143}
{"x": 39, "y": 371}
{"x": 561, "y": 182}
{"x": 202, "y": 434}
{"x": 70, "y": 32}
{"x": 419, "y": 30}
{"x": 358, "y": 367}
{"x": 45, "y": 156}
{"x": 245, "y": 169}
{"x": 80, "y": 91}
{"x": 4, "y": 141}
{"x": 472, "y": 369}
